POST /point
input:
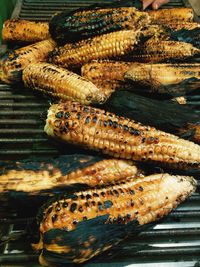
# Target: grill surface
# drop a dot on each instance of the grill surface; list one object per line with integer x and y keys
{"x": 173, "y": 242}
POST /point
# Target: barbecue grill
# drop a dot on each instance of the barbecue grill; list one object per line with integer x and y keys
{"x": 175, "y": 241}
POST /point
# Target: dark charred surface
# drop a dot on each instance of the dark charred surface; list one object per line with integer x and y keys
{"x": 89, "y": 22}
{"x": 66, "y": 164}
{"x": 171, "y": 116}
{"x": 187, "y": 36}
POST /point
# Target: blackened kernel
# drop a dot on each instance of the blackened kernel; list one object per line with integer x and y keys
{"x": 75, "y": 222}
{"x": 59, "y": 115}
{"x": 54, "y": 218}
{"x": 116, "y": 193}
{"x": 110, "y": 122}
{"x": 111, "y": 193}
{"x": 65, "y": 204}
{"x": 49, "y": 210}
{"x": 140, "y": 188}
{"x": 67, "y": 115}
{"x": 78, "y": 115}
{"x": 74, "y": 197}
{"x": 62, "y": 129}
{"x": 103, "y": 194}
{"x": 105, "y": 123}
{"x": 108, "y": 204}
{"x": 87, "y": 205}
{"x": 82, "y": 196}
{"x": 132, "y": 203}
{"x": 66, "y": 124}
{"x": 95, "y": 195}
{"x": 88, "y": 196}
{"x": 93, "y": 203}
{"x": 121, "y": 191}
{"x": 125, "y": 128}
{"x": 87, "y": 120}
{"x": 73, "y": 207}
{"x": 80, "y": 209}
{"x": 94, "y": 119}
{"x": 100, "y": 206}
{"x": 120, "y": 219}
{"x": 132, "y": 192}
{"x": 84, "y": 218}
{"x": 115, "y": 124}
{"x": 143, "y": 139}
{"x": 136, "y": 212}
{"x": 58, "y": 208}
{"x": 134, "y": 131}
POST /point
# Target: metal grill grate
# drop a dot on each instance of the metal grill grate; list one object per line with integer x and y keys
{"x": 173, "y": 242}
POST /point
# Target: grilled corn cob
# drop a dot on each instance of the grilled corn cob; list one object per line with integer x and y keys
{"x": 171, "y": 15}
{"x": 46, "y": 177}
{"x": 161, "y": 51}
{"x": 61, "y": 83}
{"x": 12, "y": 63}
{"x": 179, "y": 120}
{"x": 173, "y": 79}
{"x": 108, "y": 75}
{"x": 25, "y": 31}
{"x": 78, "y": 227}
{"x": 118, "y": 136}
{"x": 183, "y": 25}
{"x": 77, "y": 25}
{"x": 106, "y": 46}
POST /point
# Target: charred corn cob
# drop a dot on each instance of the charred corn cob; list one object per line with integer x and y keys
{"x": 78, "y": 227}
{"x": 178, "y": 15}
{"x": 118, "y": 136}
{"x": 173, "y": 79}
{"x": 50, "y": 176}
{"x": 160, "y": 32}
{"x": 161, "y": 51}
{"x": 179, "y": 120}
{"x": 106, "y": 46}
{"x": 61, "y": 83}
{"x": 183, "y": 25}
{"x": 12, "y": 63}
{"x": 25, "y": 31}
{"x": 77, "y": 25}
{"x": 107, "y": 75}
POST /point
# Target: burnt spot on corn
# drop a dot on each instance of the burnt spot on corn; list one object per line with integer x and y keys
{"x": 54, "y": 218}
{"x": 131, "y": 140}
{"x": 108, "y": 204}
{"x": 72, "y": 27}
{"x": 73, "y": 207}
{"x": 14, "y": 62}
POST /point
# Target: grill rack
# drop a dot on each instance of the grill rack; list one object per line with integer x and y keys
{"x": 174, "y": 241}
